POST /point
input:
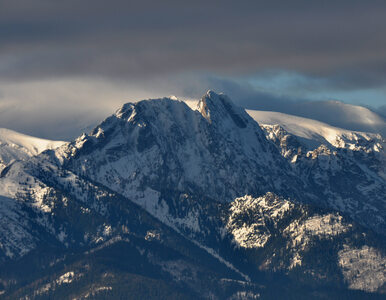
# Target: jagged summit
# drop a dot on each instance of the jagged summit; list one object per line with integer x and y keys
{"x": 219, "y": 108}
{"x": 127, "y": 109}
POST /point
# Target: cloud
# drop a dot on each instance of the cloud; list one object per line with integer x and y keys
{"x": 59, "y": 109}
{"x": 67, "y": 64}
{"x": 133, "y": 40}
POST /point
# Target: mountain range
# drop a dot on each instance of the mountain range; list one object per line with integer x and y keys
{"x": 164, "y": 201}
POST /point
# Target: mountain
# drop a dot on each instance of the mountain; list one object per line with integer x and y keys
{"x": 16, "y": 146}
{"x": 162, "y": 201}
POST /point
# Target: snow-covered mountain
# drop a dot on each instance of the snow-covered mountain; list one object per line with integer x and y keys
{"x": 200, "y": 203}
{"x": 164, "y": 145}
{"x": 17, "y": 146}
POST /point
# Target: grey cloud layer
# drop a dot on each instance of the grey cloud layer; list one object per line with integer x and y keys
{"x": 343, "y": 40}
{"x": 67, "y": 64}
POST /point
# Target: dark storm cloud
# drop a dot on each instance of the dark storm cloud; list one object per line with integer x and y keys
{"x": 342, "y": 41}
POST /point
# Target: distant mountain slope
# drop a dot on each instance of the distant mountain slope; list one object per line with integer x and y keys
{"x": 16, "y": 146}
{"x": 335, "y": 113}
{"x": 314, "y": 133}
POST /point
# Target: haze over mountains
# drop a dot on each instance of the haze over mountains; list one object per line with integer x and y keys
{"x": 160, "y": 200}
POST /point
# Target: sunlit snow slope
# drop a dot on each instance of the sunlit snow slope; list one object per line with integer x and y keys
{"x": 17, "y": 146}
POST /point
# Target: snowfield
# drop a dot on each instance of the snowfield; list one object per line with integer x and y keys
{"x": 18, "y": 146}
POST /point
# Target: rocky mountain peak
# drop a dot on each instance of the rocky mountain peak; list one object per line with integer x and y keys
{"x": 219, "y": 108}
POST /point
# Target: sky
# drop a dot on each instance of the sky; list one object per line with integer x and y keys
{"x": 66, "y": 65}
